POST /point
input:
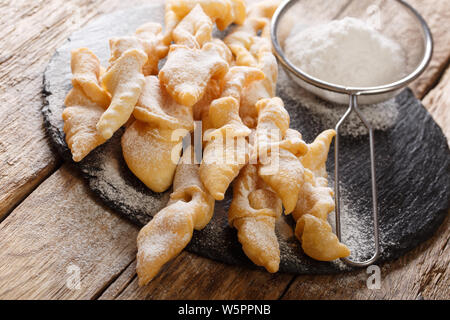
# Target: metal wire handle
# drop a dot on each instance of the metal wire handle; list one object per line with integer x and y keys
{"x": 353, "y": 106}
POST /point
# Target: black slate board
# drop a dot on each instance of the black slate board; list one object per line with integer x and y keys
{"x": 413, "y": 164}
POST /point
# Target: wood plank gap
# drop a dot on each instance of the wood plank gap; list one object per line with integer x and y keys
{"x": 100, "y": 292}
{"x": 294, "y": 277}
{"x": 58, "y": 165}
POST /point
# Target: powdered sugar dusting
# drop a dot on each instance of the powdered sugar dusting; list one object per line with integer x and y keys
{"x": 381, "y": 116}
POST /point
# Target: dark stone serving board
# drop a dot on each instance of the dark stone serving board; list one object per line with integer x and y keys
{"x": 413, "y": 164}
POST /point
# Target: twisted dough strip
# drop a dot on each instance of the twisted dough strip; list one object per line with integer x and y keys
{"x": 147, "y": 38}
{"x": 253, "y": 50}
{"x": 131, "y": 59}
{"x": 244, "y": 41}
{"x": 85, "y": 75}
{"x": 194, "y": 30}
{"x": 253, "y": 212}
{"x": 226, "y": 150}
{"x": 167, "y": 234}
{"x": 151, "y": 145}
{"x": 315, "y": 203}
{"x": 188, "y": 71}
{"x": 124, "y": 80}
{"x": 85, "y": 104}
{"x": 278, "y": 148}
{"x": 222, "y": 12}
{"x": 80, "y": 118}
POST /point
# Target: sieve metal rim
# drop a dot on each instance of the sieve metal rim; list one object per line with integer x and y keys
{"x": 279, "y": 53}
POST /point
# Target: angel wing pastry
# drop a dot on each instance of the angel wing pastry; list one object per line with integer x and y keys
{"x": 168, "y": 233}
{"x": 148, "y": 38}
{"x": 85, "y": 104}
{"x": 222, "y": 12}
{"x": 124, "y": 80}
{"x": 247, "y": 40}
{"x": 188, "y": 71}
{"x": 194, "y": 30}
{"x": 80, "y": 119}
{"x": 315, "y": 203}
{"x": 278, "y": 149}
{"x": 85, "y": 75}
{"x": 151, "y": 145}
{"x": 253, "y": 212}
{"x": 226, "y": 150}
{"x": 252, "y": 49}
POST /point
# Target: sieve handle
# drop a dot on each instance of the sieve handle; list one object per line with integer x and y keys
{"x": 353, "y": 107}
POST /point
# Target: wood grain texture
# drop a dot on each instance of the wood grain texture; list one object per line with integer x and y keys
{"x": 193, "y": 277}
{"x": 437, "y": 15}
{"x": 61, "y": 225}
{"x": 30, "y": 32}
{"x": 438, "y": 103}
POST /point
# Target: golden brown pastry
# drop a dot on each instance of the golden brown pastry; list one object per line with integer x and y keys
{"x": 86, "y": 71}
{"x": 85, "y": 104}
{"x": 278, "y": 148}
{"x": 151, "y": 153}
{"x": 167, "y": 234}
{"x": 226, "y": 150}
{"x": 253, "y": 212}
{"x": 157, "y": 107}
{"x": 80, "y": 119}
{"x": 151, "y": 145}
{"x": 222, "y": 12}
{"x": 194, "y": 30}
{"x": 149, "y": 39}
{"x": 252, "y": 49}
{"x": 315, "y": 203}
{"x": 188, "y": 71}
{"x": 124, "y": 80}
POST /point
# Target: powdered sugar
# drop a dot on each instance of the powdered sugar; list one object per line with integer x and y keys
{"x": 381, "y": 116}
{"x": 346, "y": 52}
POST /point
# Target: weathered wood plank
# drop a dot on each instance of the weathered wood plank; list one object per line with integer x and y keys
{"x": 437, "y": 15}
{"x": 193, "y": 277}
{"x": 29, "y": 34}
{"x": 422, "y": 273}
{"x": 438, "y": 103}
{"x": 58, "y": 226}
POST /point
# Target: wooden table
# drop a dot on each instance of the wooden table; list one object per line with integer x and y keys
{"x": 50, "y": 222}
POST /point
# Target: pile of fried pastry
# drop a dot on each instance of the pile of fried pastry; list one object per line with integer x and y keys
{"x": 229, "y": 87}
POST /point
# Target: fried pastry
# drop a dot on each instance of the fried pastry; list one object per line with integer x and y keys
{"x": 156, "y": 106}
{"x": 253, "y": 212}
{"x": 315, "y": 203}
{"x": 80, "y": 118}
{"x": 124, "y": 80}
{"x": 262, "y": 89}
{"x": 188, "y": 71}
{"x": 168, "y": 233}
{"x": 151, "y": 146}
{"x": 151, "y": 153}
{"x": 194, "y": 30}
{"x": 254, "y": 35}
{"x": 226, "y": 150}
{"x": 251, "y": 46}
{"x": 85, "y": 75}
{"x": 222, "y": 12}
{"x": 149, "y": 39}
{"x": 278, "y": 149}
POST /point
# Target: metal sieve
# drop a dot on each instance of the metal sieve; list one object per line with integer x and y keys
{"x": 291, "y": 12}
